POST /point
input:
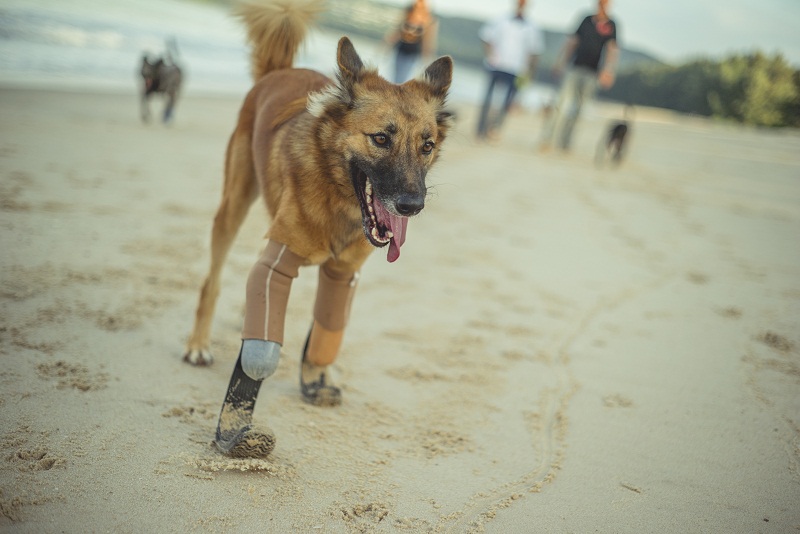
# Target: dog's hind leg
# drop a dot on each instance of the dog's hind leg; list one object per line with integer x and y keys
{"x": 618, "y": 151}
{"x": 335, "y": 290}
{"x": 614, "y": 151}
{"x": 239, "y": 193}
{"x": 168, "y": 108}
{"x": 144, "y": 107}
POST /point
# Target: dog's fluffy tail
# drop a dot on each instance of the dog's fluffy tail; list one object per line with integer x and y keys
{"x": 275, "y": 29}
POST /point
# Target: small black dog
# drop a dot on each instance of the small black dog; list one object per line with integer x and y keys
{"x": 160, "y": 76}
{"x": 616, "y": 140}
{"x": 613, "y": 144}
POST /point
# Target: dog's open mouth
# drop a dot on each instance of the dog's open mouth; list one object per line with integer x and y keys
{"x": 380, "y": 226}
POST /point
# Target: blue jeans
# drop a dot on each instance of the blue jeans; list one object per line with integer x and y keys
{"x": 496, "y": 78}
{"x": 578, "y": 87}
{"x": 403, "y": 65}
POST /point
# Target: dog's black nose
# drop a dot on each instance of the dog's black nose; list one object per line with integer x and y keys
{"x": 408, "y": 205}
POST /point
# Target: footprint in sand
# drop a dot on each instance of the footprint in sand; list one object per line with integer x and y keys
{"x": 36, "y": 459}
{"x": 74, "y": 376}
{"x": 27, "y": 451}
{"x": 440, "y": 442}
{"x": 731, "y": 312}
{"x": 697, "y": 278}
{"x": 12, "y": 188}
{"x": 362, "y": 517}
{"x": 617, "y": 401}
{"x": 775, "y": 341}
{"x": 190, "y": 414}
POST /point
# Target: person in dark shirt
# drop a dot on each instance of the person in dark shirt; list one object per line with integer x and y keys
{"x": 592, "y": 54}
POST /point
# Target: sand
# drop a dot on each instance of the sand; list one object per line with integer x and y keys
{"x": 559, "y": 348}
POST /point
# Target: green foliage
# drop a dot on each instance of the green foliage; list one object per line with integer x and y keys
{"x": 791, "y": 108}
{"x": 752, "y": 89}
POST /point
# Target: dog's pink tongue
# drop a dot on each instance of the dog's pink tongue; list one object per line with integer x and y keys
{"x": 398, "y": 226}
{"x": 395, "y": 224}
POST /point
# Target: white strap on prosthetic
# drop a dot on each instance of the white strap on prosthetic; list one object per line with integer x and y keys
{"x": 260, "y": 358}
{"x": 268, "y": 289}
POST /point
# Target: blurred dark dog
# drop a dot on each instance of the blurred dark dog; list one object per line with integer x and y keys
{"x": 613, "y": 144}
{"x": 164, "y": 76}
{"x": 616, "y": 140}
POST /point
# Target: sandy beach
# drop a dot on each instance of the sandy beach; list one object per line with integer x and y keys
{"x": 560, "y": 348}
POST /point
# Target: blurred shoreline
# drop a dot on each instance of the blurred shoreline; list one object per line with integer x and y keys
{"x": 86, "y": 45}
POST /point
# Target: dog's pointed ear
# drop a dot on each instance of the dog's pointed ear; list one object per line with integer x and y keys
{"x": 343, "y": 92}
{"x": 439, "y": 75}
{"x": 350, "y": 65}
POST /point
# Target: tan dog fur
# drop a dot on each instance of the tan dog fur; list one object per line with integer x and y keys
{"x": 300, "y": 140}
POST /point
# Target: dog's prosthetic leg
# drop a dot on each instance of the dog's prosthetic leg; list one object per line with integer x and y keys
{"x": 235, "y": 433}
{"x": 267, "y": 295}
{"x": 331, "y": 311}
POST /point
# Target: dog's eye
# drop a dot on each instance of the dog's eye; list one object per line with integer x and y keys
{"x": 380, "y": 139}
{"x": 428, "y": 147}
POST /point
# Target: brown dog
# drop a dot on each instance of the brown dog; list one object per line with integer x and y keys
{"x": 341, "y": 166}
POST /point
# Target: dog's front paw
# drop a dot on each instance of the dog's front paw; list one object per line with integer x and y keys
{"x": 316, "y": 386}
{"x": 198, "y": 357}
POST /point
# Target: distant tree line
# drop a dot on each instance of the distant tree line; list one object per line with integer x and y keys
{"x": 752, "y": 89}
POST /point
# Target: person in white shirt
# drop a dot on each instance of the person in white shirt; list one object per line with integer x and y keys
{"x": 512, "y": 46}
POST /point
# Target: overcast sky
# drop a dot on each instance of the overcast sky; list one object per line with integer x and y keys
{"x": 672, "y": 30}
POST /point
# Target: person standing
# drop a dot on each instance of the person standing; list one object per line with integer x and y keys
{"x": 512, "y": 47}
{"x": 592, "y": 53}
{"x": 413, "y": 39}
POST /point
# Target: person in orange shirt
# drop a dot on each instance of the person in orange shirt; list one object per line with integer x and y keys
{"x": 413, "y": 39}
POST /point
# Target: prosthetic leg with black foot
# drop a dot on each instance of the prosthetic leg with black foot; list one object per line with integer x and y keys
{"x": 236, "y": 435}
{"x": 267, "y": 295}
{"x": 331, "y": 311}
